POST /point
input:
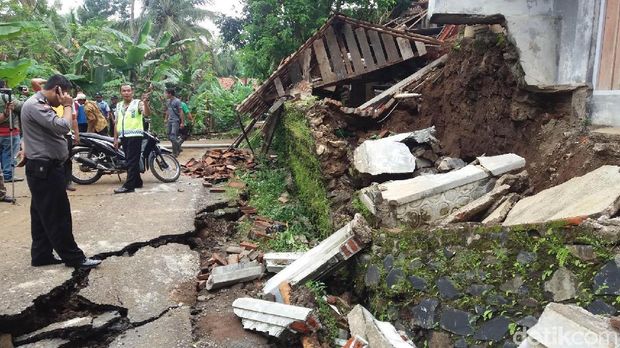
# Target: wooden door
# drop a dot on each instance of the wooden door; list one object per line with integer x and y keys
{"x": 609, "y": 74}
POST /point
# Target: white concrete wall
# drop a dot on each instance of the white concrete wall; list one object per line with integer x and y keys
{"x": 606, "y": 108}
{"x": 577, "y": 42}
{"x": 439, "y": 8}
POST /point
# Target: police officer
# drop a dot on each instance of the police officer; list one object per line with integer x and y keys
{"x": 46, "y": 151}
{"x": 130, "y": 130}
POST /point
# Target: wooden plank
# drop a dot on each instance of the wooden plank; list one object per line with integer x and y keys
{"x": 404, "y": 83}
{"x": 279, "y": 87}
{"x": 369, "y": 61}
{"x": 405, "y": 48}
{"x": 294, "y": 72}
{"x": 356, "y": 57}
{"x": 375, "y": 42}
{"x": 345, "y": 55}
{"x": 321, "y": 57}
{"x": 305, "y": 64}
{"x": 390, "y": 48}
{"x": 271, "y": 123}
{"x": 420, "y": 47}
{"x": 615, "y": 82}
{"x": 334, "y": 52}
{"x": 608, "y": 52}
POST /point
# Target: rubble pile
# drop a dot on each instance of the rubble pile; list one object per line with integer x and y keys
{"x": 218, "y": 165}
{"x": 429, "y": 199}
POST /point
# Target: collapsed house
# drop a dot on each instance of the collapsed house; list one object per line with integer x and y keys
{"x": 412, "y": 177}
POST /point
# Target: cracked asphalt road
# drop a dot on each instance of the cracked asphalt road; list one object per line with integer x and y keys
{"x": 103, "y": 223}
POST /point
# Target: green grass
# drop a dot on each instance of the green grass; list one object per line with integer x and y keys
{"x": 297, "y": 147}
{"x": 265, "y": 186}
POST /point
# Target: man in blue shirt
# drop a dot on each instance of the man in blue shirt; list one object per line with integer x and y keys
{"x": 105, "y": 110}
{"x": 82, "y": 120}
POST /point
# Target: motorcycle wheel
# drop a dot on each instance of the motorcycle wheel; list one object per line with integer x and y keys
{"x": 165, "y": 167}
{"x": 81, "y": 174}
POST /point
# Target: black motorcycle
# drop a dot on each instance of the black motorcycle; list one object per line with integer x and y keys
{"x": 95, "y": 156}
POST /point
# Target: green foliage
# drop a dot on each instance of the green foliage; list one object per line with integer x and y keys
{"x": 298, "y": 148}
{"x": 325, "y": 312}
{"x": 270, "y": 30}
{"x": 265, "y": 186}
{"x": 220, "y": 104}
{"x": 14, "y": 72}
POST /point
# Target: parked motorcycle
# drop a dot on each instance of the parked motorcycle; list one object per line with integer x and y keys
{"x": 95, "y": 156}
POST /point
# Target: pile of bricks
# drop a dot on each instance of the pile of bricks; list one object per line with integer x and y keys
{"x": 244, "y": 253}
{"x": 219, "y": 165}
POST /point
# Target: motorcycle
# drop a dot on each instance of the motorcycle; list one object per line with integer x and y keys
{"x": 96, "y": 156}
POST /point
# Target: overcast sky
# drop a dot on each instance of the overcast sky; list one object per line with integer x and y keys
{"x": 228, "y": 7}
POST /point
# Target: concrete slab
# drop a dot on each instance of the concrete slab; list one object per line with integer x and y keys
{"x": 591, "y": 195}
{"x": 502, "y": 164}
{"x": 147, "y": 283}
{"x": 377, "y": 333}
{"x": 48, "y": 331}
{"x": 223, "y": 276}
{"x": 376, "y": 157}
{"x": 337, "y": 248}
{"x": 406, "y": 191}
{"x": 173, "y": 330}
{"x": 272, "y": 318}
{"x": 498, "y": 215}
{"x": 570, "y": 326}
{"x": 50, "y": 343}
{"x": 98, "y": 228}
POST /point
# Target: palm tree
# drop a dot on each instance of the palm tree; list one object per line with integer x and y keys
{"x": 180, "y": 18}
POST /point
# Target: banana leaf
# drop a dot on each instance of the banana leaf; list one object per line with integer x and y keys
{"x": 119, "y": 35}
{"x": 137, "y": 54}
{"x": 144, "y": 32}
{"x": 15, "y": 71}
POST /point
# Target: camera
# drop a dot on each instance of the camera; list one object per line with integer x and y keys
{"x": 6, "y": 91}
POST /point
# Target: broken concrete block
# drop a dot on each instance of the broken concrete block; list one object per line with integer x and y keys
{"x": 498, "y": 215}
{"x": 425, "y": 199}
{"x": 378, "y": 334}
{"x": 570, "y": 326}
{"x": 338, "y": 247}
{"x": 232, "y": 274}
{"x": 390, "y": 155}
{"x": 480, "y": 205}
{"x": 594, "y": 194}
{"x": 448, "y": 164}
{"x": 376, "y": 157}
{"x": 278, "y": 261}
{"x": 502, "y": 164}
{"x": 71, "y": 324}
{"x": 274, "y": 318}
{"x": 47, "y": 343}
{"x": 234, "y": 250}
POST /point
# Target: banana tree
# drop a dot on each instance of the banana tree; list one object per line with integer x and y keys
{"x": 14, "y": 72}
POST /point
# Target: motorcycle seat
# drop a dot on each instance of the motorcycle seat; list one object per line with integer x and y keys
{"x": 97, "y": 136}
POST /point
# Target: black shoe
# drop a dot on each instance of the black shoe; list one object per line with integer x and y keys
{"x": 140, "y": 186}
{"x": 7, "y": 199}
{"x": 15, "y": 179}
{"x": 123, "y": 189}
{"x": 52, "y": 261}
{"x": 86, "y": 264}
{"x": 71, "y": 188}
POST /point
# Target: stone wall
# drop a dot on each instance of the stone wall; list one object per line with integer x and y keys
{"x": 473, "y": 285}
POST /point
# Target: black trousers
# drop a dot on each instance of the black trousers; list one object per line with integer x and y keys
{"x": 50, "y": 214}
{"x": 68, "y": 165}
{"x": 132, "y": 147}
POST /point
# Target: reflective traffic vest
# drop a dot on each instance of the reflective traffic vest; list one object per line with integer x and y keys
{"x": 129, "y": 124}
